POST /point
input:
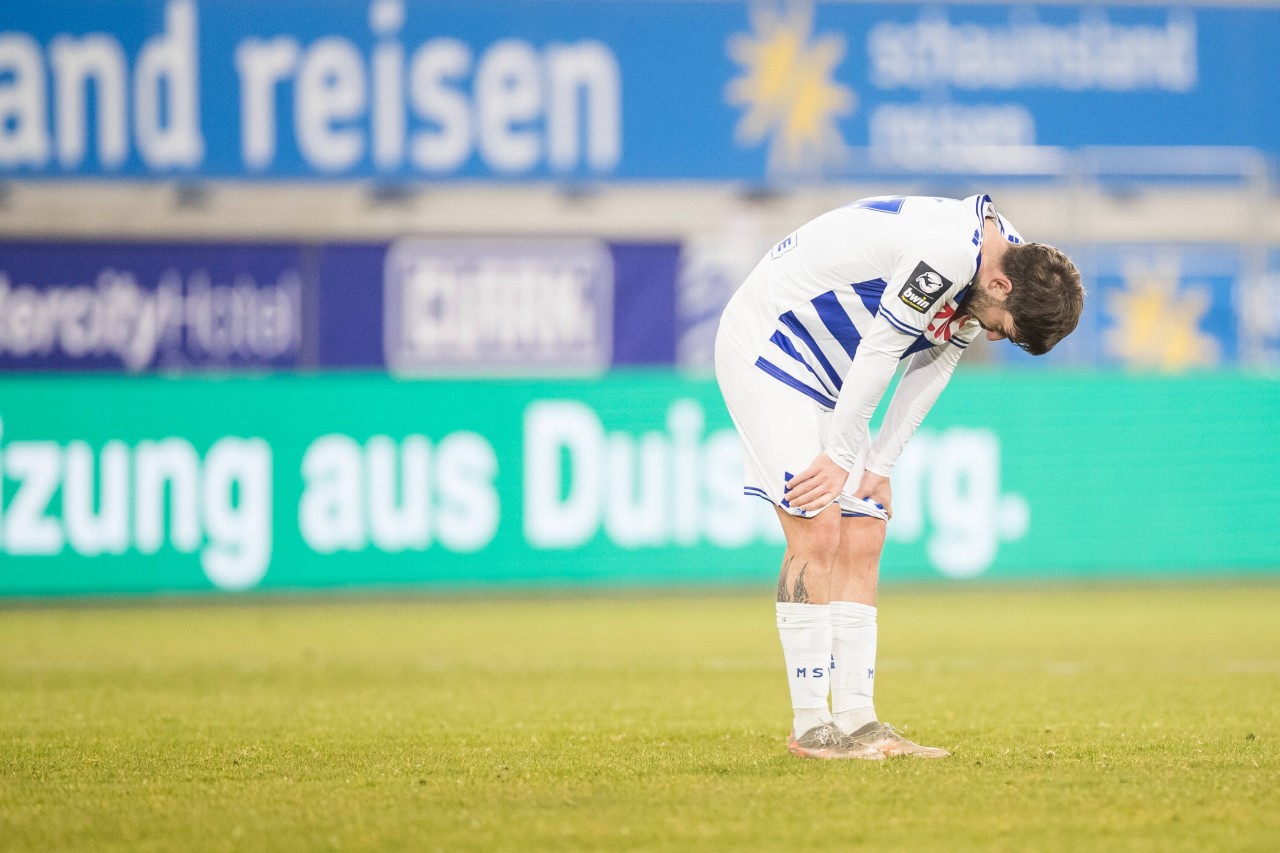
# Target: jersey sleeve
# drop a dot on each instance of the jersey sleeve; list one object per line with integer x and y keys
{"x": 864, "y": 386}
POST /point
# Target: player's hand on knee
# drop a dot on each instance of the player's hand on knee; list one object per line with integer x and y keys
{"x": 876, "y": 488}
{"x": 816, "y": 486}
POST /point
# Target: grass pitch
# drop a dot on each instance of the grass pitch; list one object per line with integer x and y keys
{"x": 1102, "y": 718}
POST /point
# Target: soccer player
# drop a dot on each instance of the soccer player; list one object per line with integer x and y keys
{"x": 806, "y": 349}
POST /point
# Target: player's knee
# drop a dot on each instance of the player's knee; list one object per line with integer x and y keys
{"x": 861, "y": 541}
{"x": 818, "y": 535}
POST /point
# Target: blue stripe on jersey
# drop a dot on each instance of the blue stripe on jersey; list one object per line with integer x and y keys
{"x": 787, "y": 379}
{"x": 797, "y": 328}
{"x": 884, "y": 205}
{"x": 784, "y": 343}
{"x": 898, "y": 324}
{"x": 837, "y": 321}
{"x": 1007, "y": 232}
{"x": 870, "y": 292}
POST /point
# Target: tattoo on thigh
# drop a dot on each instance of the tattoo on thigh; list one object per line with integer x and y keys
{"x": 799, "y": 593}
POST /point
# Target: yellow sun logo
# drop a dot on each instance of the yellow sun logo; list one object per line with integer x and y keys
{"x": 788, "y": 90}
{"x": 1156, "y": 325}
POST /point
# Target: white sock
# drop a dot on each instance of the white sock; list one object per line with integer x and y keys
{"x": 805, "y": 631}
{"x": 853, "y": 680}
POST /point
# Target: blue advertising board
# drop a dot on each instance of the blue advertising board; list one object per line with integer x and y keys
{"x": 589, "y": 89}
{"x": 1159, "y": 307}
{"x": 1259, "y": 306}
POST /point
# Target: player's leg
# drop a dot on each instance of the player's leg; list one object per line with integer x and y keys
{"x": 781, "y": 433}
{"x": 803, "y": 617}
{"x": 854, "y": 633}
{"x": 804, "y": 628}
{"x": 811, "y": 551}
{"x": 779, "y": 429}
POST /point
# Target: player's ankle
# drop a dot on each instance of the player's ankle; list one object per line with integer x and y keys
{"x": 809, "y": 718}
{"x": 852, "y": 720}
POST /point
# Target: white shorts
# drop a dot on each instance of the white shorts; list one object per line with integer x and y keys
{"x": 781, "y": 429}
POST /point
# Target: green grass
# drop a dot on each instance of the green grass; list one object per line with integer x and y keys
{"x": 1101, "y": 718}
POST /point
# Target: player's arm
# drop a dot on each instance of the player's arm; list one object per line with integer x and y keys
{"x": 868, "y": 378}
{"x": 927, "y": 373}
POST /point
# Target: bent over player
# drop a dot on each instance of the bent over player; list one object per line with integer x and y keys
{"x": 805, "y": 350}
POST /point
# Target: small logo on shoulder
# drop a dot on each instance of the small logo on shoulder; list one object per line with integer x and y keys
{"x": 788, "y": 243}
{"x": 923, "y": 287}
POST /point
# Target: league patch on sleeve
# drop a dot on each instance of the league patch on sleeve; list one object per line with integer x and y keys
{"x": 923, "y": 288}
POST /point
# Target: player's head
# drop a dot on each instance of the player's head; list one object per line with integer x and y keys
{"x": 1032, "y": 296}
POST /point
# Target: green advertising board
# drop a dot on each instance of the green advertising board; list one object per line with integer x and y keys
{"x": 124, "y": 485}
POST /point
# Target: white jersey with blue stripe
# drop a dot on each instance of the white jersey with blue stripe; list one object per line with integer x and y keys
{"x": 908, "y": 260}
{"x": 882, "y": 273}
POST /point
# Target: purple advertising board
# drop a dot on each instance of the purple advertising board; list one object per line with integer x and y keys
{"x": 510, "y": 307}
{"x": 417, "y": 306}
{"x": 141, "y": 307}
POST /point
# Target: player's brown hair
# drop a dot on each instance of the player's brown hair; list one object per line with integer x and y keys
{"x": 1047, "y": 296}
